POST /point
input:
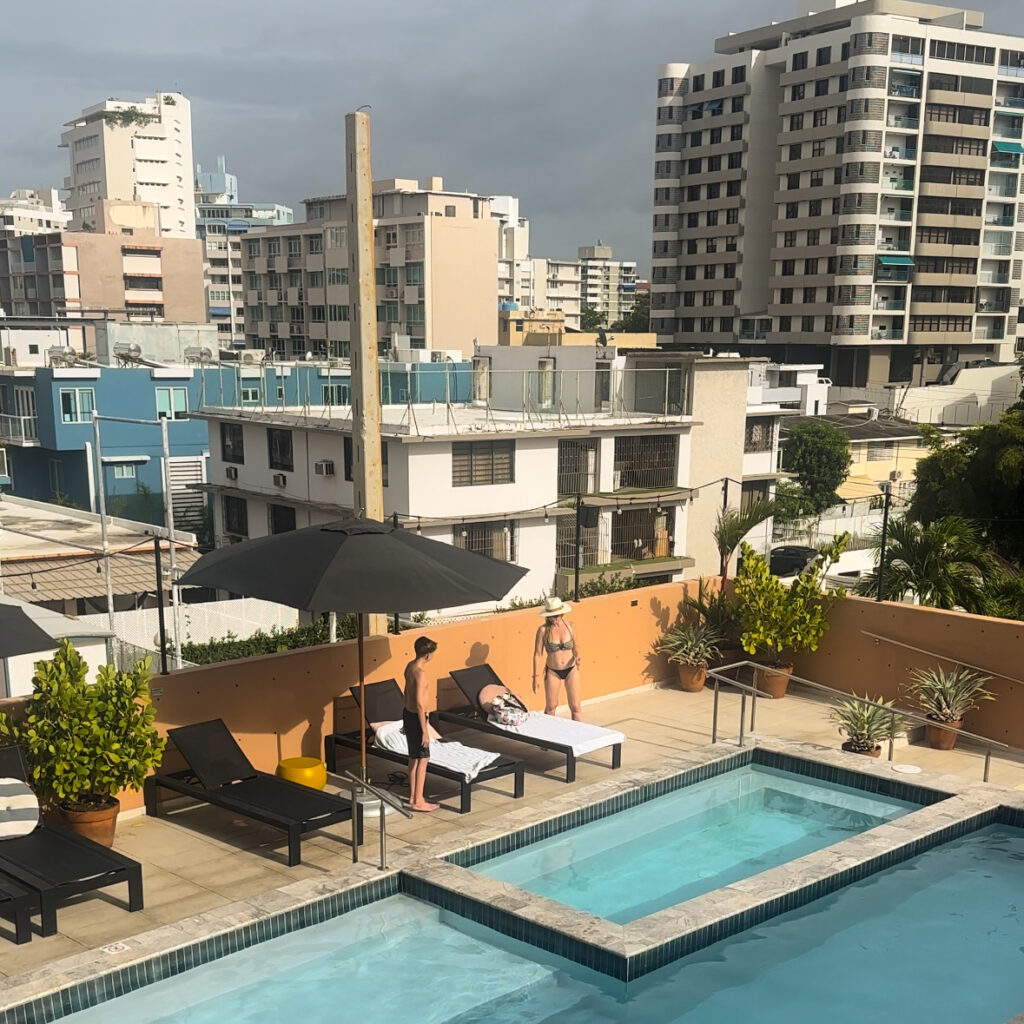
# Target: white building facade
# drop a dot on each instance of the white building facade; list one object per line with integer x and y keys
{"x": 33, "y": 211}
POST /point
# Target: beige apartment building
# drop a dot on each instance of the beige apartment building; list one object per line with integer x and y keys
{"x": 843, "y": 187}
{"x": 436, "y": 256}
{"x": 133, "y": 150}
{"x": 124, "y": 269}
{"x": 27, "y": 211}
{"x": 607, "y": 284}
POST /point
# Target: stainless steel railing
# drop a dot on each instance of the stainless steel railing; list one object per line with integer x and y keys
{"x": 720, "y": 677}
{"x": 356, "y": 786}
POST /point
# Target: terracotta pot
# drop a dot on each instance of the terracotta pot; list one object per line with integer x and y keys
{"x": 942, "y": 739}
{"x": 691, "y": 677}
{"x": 773, "y": 681}
{"x": 877, "y": 752}
{"x": 97, "y": 824}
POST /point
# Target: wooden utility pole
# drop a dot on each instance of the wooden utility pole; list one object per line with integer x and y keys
{"x": 367, "y": 475}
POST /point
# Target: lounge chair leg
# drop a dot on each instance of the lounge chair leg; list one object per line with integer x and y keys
{"x": 22, "y": 925}
{"x": 517, "y": 793}
{"x": 149, "y": 796}
{"x": 135, "y": 889}
{"x": 465, "y": 797}
{"x": 617, "y": 756}
{"x": 47, "y": 914}
{"x": 329, "y": 757}
{"x": 570, "y": 767}
{"x": 294, "y": 846}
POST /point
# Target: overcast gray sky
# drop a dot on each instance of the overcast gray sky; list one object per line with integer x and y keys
{"x": 550, "y": 100}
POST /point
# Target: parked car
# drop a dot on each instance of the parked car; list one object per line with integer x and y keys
{"x": 791, "y": 559}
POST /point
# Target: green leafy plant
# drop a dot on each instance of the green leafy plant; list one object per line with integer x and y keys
{"x": 733, "y": 525}
{"x": 948, "y": 696}
{"x": 719, "y": 611}
{"x": 687, "y": 643}
{"x": 127, "y": 117}
{"x": 779, "y": 620}
{"x": 819, "y": 454}
{"x": 84, "y": 742}
{"x": 866, "y": 725}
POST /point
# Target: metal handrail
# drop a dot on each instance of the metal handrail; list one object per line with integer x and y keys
{"x": 912, "y": 716}
{"x": 355, "y": 785}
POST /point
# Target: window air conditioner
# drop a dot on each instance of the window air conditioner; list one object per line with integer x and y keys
{"x": 231, "y": 472}
{"x": 895, "y": 475}
{"x": 325, "y": 467}
{"x": 280, "y": 479}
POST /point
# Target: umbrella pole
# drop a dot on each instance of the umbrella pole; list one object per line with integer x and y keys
{"x": 362, "y": 693}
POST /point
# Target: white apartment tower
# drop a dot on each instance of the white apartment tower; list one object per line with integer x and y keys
{"x": 128, "y": 150}
{"x": 844, "y": 187}
{"x": 607, "y": 284}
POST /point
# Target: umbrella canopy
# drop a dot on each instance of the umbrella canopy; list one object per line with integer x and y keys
{"x": 20, "y": 635}
{"x": 355, "y": 565}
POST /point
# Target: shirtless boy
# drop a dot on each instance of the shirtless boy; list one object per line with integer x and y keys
{"x": 414, "y": 721}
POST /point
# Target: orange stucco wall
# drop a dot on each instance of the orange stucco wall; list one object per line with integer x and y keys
{"x": 848, "y": 660}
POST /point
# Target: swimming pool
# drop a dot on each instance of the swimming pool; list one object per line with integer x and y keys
{"x": 937, "y": 938}
{"x": 703, "y": 837}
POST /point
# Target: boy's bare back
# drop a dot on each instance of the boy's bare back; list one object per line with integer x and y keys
{"x": 415, "y": 682}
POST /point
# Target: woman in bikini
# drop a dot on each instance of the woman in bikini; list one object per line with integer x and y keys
{"x": 556, "y": 655}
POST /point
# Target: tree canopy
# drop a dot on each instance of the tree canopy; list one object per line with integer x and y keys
{"x": 977, "y": 475}
{"x": 638, "y": 319}
{"x": 591, "y": 318}
{"x": 819, "y": 454}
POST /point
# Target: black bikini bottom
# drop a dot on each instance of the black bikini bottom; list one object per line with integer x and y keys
{"x": 562, "y": 673}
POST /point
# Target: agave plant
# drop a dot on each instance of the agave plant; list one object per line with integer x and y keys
{"x": 866, "y": 725}
{"x": 689, "y": 644}
{"x": 948, "y": 696}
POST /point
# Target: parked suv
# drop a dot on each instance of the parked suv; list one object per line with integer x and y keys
{"x": 791, "y": 559}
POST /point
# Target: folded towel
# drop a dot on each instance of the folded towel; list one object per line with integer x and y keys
{"x": 582, "y": 737}
{"x": 19, "y": 809}
{"x": 467, "y": 761}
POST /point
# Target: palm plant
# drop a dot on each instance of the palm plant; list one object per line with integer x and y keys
{"x": 948, "y": 696}
{"x": 943, "y": 564}
{"x": 866, "y": 725}
{"x": 733, "y": 525}
{"x": 717, "y": 610}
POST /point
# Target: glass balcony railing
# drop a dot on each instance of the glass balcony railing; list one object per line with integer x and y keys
{"x": 899, "y": 121}
{"x": 884, "y": 333}
{"x": 899, "y": 57}
{"x": 1010, "y": 101}
{"x": 890, "y": 304}
{"x": 900, "y": 153}
{"x": 993, "y": 307}
{"x": 1004, "y": 192}
{"x": 898, "y": 185}
{"x": 990, "y": 333}
{"x": 1003, "y": 220}
{"x": 901, "y": 215}
{"x": 1011, "y": 71}
{"x": 19, "y": 428}
{"x": 897, "y": 245}
{"x": 993, "y": 277}
{"x": 1005, "y": 159}
{"x": 912, "y": 92}
{"x": 899, "y": 275}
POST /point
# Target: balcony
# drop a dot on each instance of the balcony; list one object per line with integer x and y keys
{"x": 993, "y": 277}
{"x": 1004, "y": 192}
{"x": 898, "y": 185}
{"x": 749, "y": 335}
{"x": 1005, "y": 159}
{"x": 899, "y": 121}
{"x": 990, "y": 333}
{"x": 993, "y": 306}
{"x": 20, "y": 430}
{"x": 900, "y": 153}
{"x": 892, "y": 275}
{"x": 898, "y": 215}
{"x": 896, "y": 245}
{"x": 1004, "y": 220}
{"x": 1010, "y": 101}
{"x": 910, "y": 92}
{"x": 1004, "y": 249}
{"x": 890, "y": 303}
{"x": 899, "y": 57}
{"x": 885, "y": 334}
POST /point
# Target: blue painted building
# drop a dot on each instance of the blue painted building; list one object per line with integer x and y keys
{"x": 46, "y": 423}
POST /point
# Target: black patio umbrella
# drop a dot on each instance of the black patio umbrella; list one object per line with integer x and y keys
{"x": 355, "y": 565}
{"x": 20, "y": 635}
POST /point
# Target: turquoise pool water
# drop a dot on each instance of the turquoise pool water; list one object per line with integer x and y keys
{"x": 939, "y": 938}
{"x": 700, "y": 838}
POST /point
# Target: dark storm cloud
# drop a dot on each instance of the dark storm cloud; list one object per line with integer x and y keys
{"x": 552, "y": 101}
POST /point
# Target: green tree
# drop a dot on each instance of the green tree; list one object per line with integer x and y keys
{"x": 977, "y": 475}
{"x": 591, "y": 318}
{"x": 790, "y": 502}
{"x": 733, "y": 525}
{"x": 638, "y": 319}
{"x": 944, "y": 564}
{"x": 819, "y": 454}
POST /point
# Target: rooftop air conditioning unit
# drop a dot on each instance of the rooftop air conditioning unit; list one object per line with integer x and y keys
{"x": 231, "y": 472}
{"x": 325, "y": 467}
{"x": 280, "y": 480}
{"x": 437, "y": 357}
{"x": 249, "y": 356}
{"x": 895, "y": 475}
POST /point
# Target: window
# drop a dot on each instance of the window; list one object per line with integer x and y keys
{"x": 414, "y": 273}
{"x": 273, "y": 246}
{"x": 497, "y": 539}
{"x": 737, "y": 104}
{"x": 789, "y": 239}
{"x": 172, "y": 403}
{"x": 337, "y": 313}
{"x": 714, "y": 190}
{"x": 785, "y": 296}
{"x": 714, "y": 136}
{"x": 717, "y": 79}
{"x": 821, "y": 87}
{"x": 735, "y": 133}
{"x": 335, "y": 394}
{"x": 449, "y": 211}
{"x": 279, "y": 449}
{"x": 336, "y": 238}
{"x": 732, "y": 187}
{"x": 799, "y": 61}
{"x": 714, "y": 163}
{"x": 797, "y": 92}
{"x": 698, "y": 83}
{"x": 820, "y": 118}
{"x": 739, "y": 74}
{"x": 315, "y": 278}
{"x": 250, "y": 396}
{"x": 281, "y": 518}
{"x": 124, "y": 471}
{"x": 232, "y": 446}
{"x": 795, "y": 151}
{"x": 814, "y": 208}
{"x": 317, "y": 315}
{"x": 482, "y": 463}
{"x": 807, "y": 323}
{"x": 315, "y": 243}
{"x": 337, "y": 275}
{"x": 823, "y": 56}
{"x": 818, "y": 148}
{"x": 76, "y": 405}
{"x": 796, "y": 122}
{"x": 294, "y": 245}
{"x": 788, "y": 268}
{"x": 881, "y": 451}
{"x": 236, "y": 516}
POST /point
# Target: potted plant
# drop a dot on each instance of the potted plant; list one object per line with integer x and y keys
{"x": 85, "y": 743}
{"x": 689, "y": 646}
{"x": 866, "y": 725}
{"x": 947, "y": 697}
{"x": 718, "y": 610}
{"x": 780, "y": 620}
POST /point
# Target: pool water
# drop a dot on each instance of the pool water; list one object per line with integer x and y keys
{"x": 700, "y": 838}
{"x": 938, "y": 938}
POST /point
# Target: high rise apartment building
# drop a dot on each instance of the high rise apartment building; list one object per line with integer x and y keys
{"x": 436, "y": 255}
{"x": 221, "y": 221}
{"x": 137, "y": 151}
{"x": 844, "y": 187}
{"x": 27, "y": 211}
{"x": 607, "y": 284}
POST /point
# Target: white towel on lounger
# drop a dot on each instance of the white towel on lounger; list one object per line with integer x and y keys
{"x": 456, "y": 757}
{"x": 582, "y": 737}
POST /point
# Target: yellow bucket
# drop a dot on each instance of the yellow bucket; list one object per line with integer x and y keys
{"x": 307, "y": 771}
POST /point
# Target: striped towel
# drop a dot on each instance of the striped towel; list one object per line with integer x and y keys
{"x": 19, "y": 809}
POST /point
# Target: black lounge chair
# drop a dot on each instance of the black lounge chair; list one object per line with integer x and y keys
{"x": 16, "y": 905}
{"x": 384, "y": 703}
{"x": 54, "y": 865}
{"x": 472, "y": 681}
{"x": 220, "y": 774}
